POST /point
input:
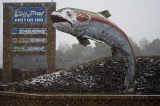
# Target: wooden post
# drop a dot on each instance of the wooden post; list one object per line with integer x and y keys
{"x": 7, "y": 57}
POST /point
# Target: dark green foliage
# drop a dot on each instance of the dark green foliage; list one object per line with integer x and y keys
{"x": 76, "y": 54}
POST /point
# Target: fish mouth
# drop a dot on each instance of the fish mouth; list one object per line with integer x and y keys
{"x": 56, "y": 18}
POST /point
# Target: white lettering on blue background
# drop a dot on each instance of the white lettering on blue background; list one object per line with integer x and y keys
{"x": 29, "y": 40}
{"x": 29, "y": 48}
{"x": 29, "y": 15}
{"x": 22, "y": 31}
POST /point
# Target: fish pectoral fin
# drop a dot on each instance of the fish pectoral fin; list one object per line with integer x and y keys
{"x": 83, "y": 41}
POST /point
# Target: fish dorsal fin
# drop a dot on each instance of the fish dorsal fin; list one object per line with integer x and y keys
{"x": 105, "y": 13}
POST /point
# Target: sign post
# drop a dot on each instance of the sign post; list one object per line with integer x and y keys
{"x": 28, "y": 38}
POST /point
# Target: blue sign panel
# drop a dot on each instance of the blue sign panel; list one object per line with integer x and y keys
{"x": 29, "y": 48}
{"x": 29, "y": 15}
{"x": 29, "y": 31}
{"x": 31, "y": 62}
{"x": 29, "y": 40}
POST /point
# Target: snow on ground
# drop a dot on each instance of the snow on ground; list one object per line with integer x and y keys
{"x": 104, "y": 76}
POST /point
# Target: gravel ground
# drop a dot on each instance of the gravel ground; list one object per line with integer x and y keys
{"x": 104, "y": 76}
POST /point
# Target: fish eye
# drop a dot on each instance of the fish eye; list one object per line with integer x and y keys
{"x": 68, "y": 13}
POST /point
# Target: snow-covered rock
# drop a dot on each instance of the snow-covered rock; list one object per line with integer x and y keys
{"x": 104, "y": 76}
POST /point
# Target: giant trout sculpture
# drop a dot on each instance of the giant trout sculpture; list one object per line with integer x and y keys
{"x": 86, "y": 25}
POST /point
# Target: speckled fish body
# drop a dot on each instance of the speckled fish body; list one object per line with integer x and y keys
{"x": 86, "y": 25}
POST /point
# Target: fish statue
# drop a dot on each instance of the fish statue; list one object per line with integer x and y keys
{"x": 85, "y": 25}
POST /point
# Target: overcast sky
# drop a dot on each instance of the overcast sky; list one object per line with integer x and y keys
{"x": 137, "y": 18}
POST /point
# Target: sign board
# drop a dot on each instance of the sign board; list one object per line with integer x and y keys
{"x": 22, "y": 31}
{"x": 29, "y": 40}
{"x": 29, "y": 49}
{"x": 30, "y": 15}
{"x": 28, "y": 37}
{"x": 40, "y": 60}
